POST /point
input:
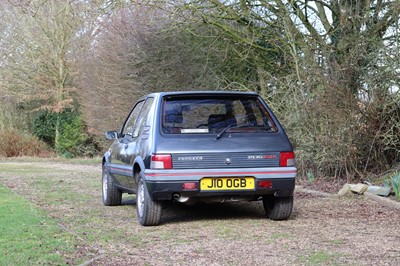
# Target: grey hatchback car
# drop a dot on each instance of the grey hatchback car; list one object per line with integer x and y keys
{"x": 200, "y": 146}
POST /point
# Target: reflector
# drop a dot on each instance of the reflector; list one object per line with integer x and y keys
{"x": 265, "y": 184}
{"x": 189, "y": 186}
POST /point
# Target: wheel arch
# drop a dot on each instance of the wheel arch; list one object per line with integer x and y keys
{"x": 106, "y": 158}
{"x": 138, "y": 166}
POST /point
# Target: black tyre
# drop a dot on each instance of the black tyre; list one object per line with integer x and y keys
{"x": 278, "y": 208}
{"x": 148, "y": 211}
{"x": 111, "y": 195}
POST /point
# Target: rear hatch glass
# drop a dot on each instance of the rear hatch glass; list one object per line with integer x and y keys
{"x": 214, "y": 115}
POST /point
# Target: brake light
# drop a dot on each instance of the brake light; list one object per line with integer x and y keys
{"x": 287, "y": 159}
{"x": 161, "y": 161}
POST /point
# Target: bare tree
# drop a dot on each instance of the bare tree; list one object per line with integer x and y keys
{"x": 337, "y": 62}
{"x": 37, "y": 49}
{"x": 138, "y": 50}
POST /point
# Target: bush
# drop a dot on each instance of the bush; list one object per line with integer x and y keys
{"x": 44, "y": 126}
{"x": 69, "y": 137}
{"x": 13, "y": 130}
{"x": 65, "y": 132}
{"x": 334, "y": 131}
{"x": 16, "y": 143}
{"x": 394, "y": 182}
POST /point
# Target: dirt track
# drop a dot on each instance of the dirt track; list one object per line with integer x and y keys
{"x": 322, "y": 230}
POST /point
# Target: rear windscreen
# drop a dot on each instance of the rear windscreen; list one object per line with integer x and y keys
{"x": 204, "y": 115}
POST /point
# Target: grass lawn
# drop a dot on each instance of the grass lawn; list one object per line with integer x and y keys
{"x": 28, "y": 235}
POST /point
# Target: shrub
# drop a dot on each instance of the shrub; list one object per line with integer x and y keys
{"x": 65, "y": 132}
{"x": 335, "y": 132}
{"x": 44, "y": 126}
{"x": 16, "y": 143}
{"x": 394, "y": 182}
{"x": 70, "y": 137}
{"x": 13, "y": 130}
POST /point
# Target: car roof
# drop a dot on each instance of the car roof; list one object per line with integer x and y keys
{"x": 200, "y": 93}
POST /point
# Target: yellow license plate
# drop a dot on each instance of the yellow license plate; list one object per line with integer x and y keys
{"x": 227, "y": 183}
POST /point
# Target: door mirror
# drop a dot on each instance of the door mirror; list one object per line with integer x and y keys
{"x": 111, "y": 135}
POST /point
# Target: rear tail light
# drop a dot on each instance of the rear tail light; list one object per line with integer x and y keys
{"x": 161, "y": 161}
{"x": 287, "y": 159}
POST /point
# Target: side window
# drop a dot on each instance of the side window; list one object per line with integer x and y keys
{"x": 141, "y": 120}
{"x": 130, "y": 123}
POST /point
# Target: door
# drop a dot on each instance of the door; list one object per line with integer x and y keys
{"x": 129, "y": 144}
{"x": 118, "y": 152}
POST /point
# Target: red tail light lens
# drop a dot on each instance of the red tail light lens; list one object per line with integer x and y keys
{"x": 161, "y": 161}
{"x": 287, "y": 159}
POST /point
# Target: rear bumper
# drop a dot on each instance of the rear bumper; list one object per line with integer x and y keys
{"x": 163, "y": 184}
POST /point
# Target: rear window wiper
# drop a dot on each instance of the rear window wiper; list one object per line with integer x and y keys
{"x": 224, "y": 130}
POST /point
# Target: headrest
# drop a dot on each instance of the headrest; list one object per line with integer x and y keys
{"x": 173, "y": 116}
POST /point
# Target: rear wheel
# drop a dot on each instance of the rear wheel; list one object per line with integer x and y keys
{"x": 111, "y": 195}
{"x": 278, "y": 208}
{"x": 148, "y": 211}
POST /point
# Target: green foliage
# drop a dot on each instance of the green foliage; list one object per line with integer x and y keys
{"x": 65, "y": 132}
{"x": 70, "y": 137}
{"x": 44, "y": 126}
{"x": 310, "y": 176}
{"x": 394, "y": 182}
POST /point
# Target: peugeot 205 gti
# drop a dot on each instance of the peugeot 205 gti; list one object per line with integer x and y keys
{"x": 200, "y": 146}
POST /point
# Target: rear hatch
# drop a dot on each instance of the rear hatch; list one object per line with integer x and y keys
{"x": 220, "y": 131}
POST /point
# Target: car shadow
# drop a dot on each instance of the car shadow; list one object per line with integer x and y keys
{"x": 174, "y": 212}
{"x": 128, "y": 200}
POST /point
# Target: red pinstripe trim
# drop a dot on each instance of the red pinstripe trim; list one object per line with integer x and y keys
{"x": 222, "y": 173}
{"x": 120, "y": 169}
